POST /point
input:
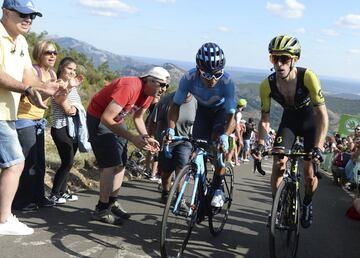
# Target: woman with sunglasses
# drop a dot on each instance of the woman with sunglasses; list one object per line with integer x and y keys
{"x": 30, "y": 127}
{"x": 215, "y": 92}
{"x": 298, "y": 91}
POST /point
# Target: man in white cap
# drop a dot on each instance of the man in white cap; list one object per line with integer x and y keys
{"x": 108, "y": 134}
{"x": 16, "y": 78}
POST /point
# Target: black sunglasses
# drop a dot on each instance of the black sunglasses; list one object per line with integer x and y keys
{"x": 32, "y": 16}
{"x": 49, "y": 53}
{"x": 162, "y": 84}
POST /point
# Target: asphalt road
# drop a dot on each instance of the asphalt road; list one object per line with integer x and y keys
{"x": 68, "y": 231}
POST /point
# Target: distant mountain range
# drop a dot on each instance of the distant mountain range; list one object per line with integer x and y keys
{"x": 130, "y": 65}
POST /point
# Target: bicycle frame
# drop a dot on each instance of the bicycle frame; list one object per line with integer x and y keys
{"x": 200, "y": 174}
{"x": 292, "y": 176}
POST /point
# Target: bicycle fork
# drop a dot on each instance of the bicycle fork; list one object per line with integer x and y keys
{"x": 198, "y": 170}
{"x": 295, "y": 190}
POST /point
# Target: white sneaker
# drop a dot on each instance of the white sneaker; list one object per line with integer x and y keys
{"x": 218, "y": 199}
{"x": 69, "y": 197}
{"x": 14, "y": 227}
{"x": 57, "y": 200}
{"x": 154, "y": 179}
{"x": 246, "y": 160}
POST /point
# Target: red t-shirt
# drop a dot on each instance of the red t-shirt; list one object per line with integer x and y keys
{"x": 128, "y": 92}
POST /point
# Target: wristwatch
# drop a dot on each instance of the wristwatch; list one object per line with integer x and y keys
{"x": 28, "y": 91}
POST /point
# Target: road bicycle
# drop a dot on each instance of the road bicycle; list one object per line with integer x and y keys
{"x": 193, "y": 202}
{"x": 285, "y": 212}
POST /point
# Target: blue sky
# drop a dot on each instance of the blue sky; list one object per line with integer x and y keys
{"x": 329, "y": 31}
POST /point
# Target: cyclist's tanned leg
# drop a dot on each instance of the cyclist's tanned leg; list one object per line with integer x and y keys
{"x": 311, "y": 181}
{"x": 278, "y": 169}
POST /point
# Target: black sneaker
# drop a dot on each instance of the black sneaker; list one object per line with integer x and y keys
{"x": 119, "y": 211}
{"x": 47, "y": 203}
{"x": 164, "y": 196}
{"x": 307, "y": 215}
{"x": 30, "y": 207}
{"x": 106, "y": 216}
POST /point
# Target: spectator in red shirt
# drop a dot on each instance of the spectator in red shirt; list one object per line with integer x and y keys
{"x": 108, "y": 133}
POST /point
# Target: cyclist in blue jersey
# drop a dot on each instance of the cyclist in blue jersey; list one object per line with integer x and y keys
{"x": 214, "y": 91}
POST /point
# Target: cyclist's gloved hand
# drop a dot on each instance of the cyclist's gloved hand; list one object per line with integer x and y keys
{"x": 170, "y": 133}
{"x": 224, "y": 140}
{"x": 317, "y": 154}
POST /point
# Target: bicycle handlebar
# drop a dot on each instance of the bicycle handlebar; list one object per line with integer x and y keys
{"x": 197, "y": 143}
{"x": 287, "y": 153}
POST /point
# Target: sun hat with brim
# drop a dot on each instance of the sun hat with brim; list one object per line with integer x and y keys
{"x": 158, "y": 73}
{"x": 22, "y": 6}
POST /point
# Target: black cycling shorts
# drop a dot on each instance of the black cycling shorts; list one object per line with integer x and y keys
{"x": 295, "y": 123}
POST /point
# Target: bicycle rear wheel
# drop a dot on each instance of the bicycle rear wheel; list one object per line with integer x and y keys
{"x": 179, "y": 215}
{"x": 285, "y": 222}
{"x": 218, "y": 216}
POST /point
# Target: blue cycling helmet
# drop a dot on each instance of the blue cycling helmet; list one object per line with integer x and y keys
{"x": 210, "y": 58}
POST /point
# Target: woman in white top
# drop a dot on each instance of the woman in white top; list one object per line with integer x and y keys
{"x": 62, "y": 107}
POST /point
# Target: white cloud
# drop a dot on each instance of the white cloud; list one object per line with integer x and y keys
{"x": 291, "y": 9}
{"x": 351, "y": 20}
{"x": 107, "y": 7}
{"x": 167, "y": 1}
{"x": 354, "y": 51}
{"x": 223, "y": 29}
{"x": 105, "y": 13}
{"x": 330, "y": 32}
{"x": 301, "y": 30}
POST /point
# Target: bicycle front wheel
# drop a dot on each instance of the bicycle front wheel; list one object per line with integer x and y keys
{"x": 219, "y": 216}
{"x": 179, "y": 215}
{"x": 285, "y": 222}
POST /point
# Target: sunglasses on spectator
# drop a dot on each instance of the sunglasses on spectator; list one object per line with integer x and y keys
{"x": 211, "y": 76}
{"x": 49, "y": 53}
{"x": 284, "y": 59}
{"x": 162, "y": 84}
{"x": 32, "y": 16}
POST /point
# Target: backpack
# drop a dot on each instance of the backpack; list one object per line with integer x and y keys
{"x": 38, "y": 70}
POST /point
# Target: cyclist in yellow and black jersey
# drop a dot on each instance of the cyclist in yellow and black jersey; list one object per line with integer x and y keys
{"x": 298, "y": 91}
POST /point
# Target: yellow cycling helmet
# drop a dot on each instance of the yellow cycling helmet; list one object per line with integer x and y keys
{"x": 285, "y": 43}
{"x": 242, "y": 103}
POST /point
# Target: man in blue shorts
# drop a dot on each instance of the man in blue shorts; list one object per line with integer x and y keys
{"x": 16, "y": 78}
{"x": 214, "y": 91}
